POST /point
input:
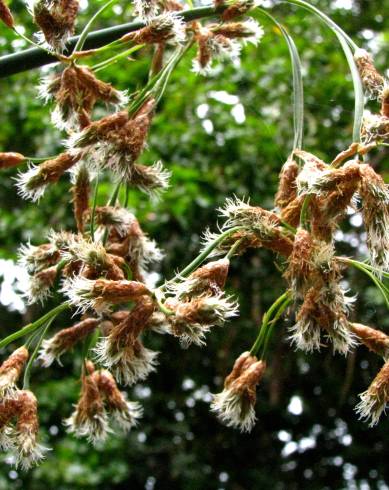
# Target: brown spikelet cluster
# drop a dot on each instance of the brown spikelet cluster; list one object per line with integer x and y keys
{"x": 32, "y": 184}
{"x": 237, "y": 9}
{"x": 115, "y": 141}
{"x": 234, "y": 406}
{"x": 76, "y": 91}
{"x": 373, "y": 339}
{"x": 375, "y": 398}
{"x": 287, "y": 189}
{"x": 56, "y": 20}
{"x": 101, "y": 403}
{"x": 81, "y": 194}
{"x": 11, "y": 159}
{"x": 6, "y": 15}
{"x": 11, "y": 369}
{"x": 372, "y": 80}
{"x": 65, "y": 339}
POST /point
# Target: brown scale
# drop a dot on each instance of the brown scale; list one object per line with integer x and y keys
{"x": 6, "y": 15}
{"x": 90, "y": 404}
{"x": 379, "y": 388}
{"x": 300, "y": 261}
{"x": 204, "y": 54}
{"x": 9, "y": 408}
{"x": 214, "y": 274}
{"x": 28, "y": 415}
{"x": 237, "y": 9}
{"x": 287, "y": 189}
{"x": 81, "y": 193}
{"x": 108, "y": 388}
{"x": 47, "y": 276}
{"x": 127, "y": 332}
{"x": 291, "y": 213}
{"x": 56, "y": 22}
{"x": 52, "y": 170}
{"x": 375, "y": 340}
{"x": 11, "y": 159}
{"x": 243, "y": 362}
{"x": 66, "y": 338}
{"x": 15, "y": 363}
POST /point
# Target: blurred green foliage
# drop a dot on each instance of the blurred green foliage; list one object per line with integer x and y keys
{"x": 216, "y": 146}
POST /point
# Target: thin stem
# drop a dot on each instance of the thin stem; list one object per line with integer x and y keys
{"x": 272, "y": 323}
{"x": 325, "y": 18}
{"x": 33, "y": 58}
{"x": 126, "y": 196}
{"x": 27, "y": 371}
{"x": 380, "y": 285}
{"x": 31, "y": 327}
{"x": 304, "y": 211}
{"x": 200, "y": 258}
{"x": 265, "y": 321}
{"x": 233, "y": 249}
{"x": 115, "y": 58}
{"x": 161, "y": 306}
{"x": 111, "y": 202}
{"x": 81, "y": 40}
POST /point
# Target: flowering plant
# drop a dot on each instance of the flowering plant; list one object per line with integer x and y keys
{"x": 103, "y": 269}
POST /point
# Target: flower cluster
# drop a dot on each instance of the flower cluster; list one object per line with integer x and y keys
{"x": 103, "y": 268}
{"x": 18, "y": 414}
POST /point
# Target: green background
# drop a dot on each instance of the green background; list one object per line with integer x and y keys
{"x": 213, "y": 155}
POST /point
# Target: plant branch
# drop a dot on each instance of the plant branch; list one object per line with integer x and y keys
{"x": 35, "y": 57}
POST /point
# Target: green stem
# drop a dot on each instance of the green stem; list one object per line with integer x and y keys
{"x": 81, "y": 40}
{"x": 304, "y": 212}
{"x": 126, "y": 197}
{"x": 200, "y": 258}
{"x": 31, "y": 327}
{"x": 325, "y": 18}
{"x": 114, "y": 59}
{"x": 380, "y": 285}
{"x": 272, "y": 323}
{"x": 161, "y": 306}
{"x": 233, "y": 249}
{"x": 265, "y": 321}
{"x": 27, "y": 371}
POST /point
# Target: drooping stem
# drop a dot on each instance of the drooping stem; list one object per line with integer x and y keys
{"x": 27, "y": 371}
{"x": 278, "y": 304}
{"x": 200, "y": 258}
{"x": 81, "y": 40}
{"x": 31, "y": 327}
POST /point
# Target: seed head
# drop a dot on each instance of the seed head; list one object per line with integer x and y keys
{"x": 64, "y": 340}
{"x": 56, "y": 20}
{"x": 100, "y": 294}
{"x": 375, "y": 340}
{"x": 33, "y": 183}
{"x": 126, "y": 414}
{"x": 372, "y": 80}
{"x": 29, "y": 451}
{"x": 6, "y": 15}
{"x": 374, "y": 399}
{"x": 89, "y": 418}
{"x": 234, "y": 406}
{"x": 10, "y": 371}
{"x": 10, "y": 159}
{"x": 166, "y": 27}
